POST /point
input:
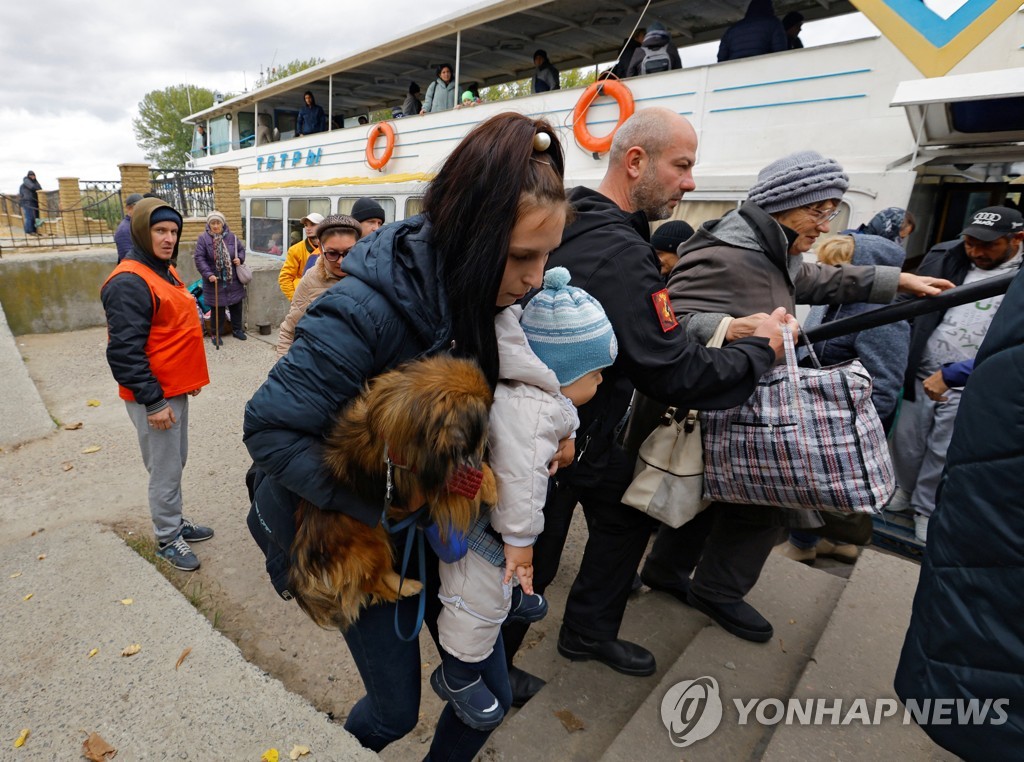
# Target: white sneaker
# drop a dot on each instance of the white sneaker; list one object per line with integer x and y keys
{"x": 900, "y": 502}
{"x": 921, "y": 527}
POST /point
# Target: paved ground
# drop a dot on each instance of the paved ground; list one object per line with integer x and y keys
{"x": 53, "y": 485}
{"x": 71, "y": 505}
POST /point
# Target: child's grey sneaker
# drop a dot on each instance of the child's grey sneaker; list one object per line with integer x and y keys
{"x": 193, "y": 532}
{"x": 178, "y": 554}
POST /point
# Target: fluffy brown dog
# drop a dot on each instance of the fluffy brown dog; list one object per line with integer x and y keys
{"x": 430, "y": 416}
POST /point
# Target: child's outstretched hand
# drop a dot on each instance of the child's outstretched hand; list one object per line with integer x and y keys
{"x": 519, "y": 561}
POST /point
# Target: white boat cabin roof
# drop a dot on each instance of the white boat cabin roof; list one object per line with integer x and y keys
{"x": 497, "y": 42}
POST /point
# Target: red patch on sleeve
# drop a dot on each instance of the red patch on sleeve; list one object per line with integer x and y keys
{"x": 663, "y": 309}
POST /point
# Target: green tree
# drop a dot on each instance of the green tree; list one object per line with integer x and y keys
{"x": 292, "y": 67}
{"x": 158, "y": 127}
{"x": 518, "y": 88}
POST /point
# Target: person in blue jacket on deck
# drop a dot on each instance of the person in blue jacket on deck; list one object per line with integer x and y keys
{"x": 311, "y": 118}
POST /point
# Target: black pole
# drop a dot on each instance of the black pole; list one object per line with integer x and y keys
{"x": 911, "y": 308}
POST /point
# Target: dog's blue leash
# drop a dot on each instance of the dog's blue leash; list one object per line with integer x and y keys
{"x": 411, "y": 524}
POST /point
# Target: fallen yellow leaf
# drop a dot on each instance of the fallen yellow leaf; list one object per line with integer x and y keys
{"x": 93, "y": 652}
{"x": 270, "y": 755}
{"x": 93, "y": 403}
{"x": 22, "y": 738}
{"x": 569, "y": 721}
{"x": 298, "y": 751}
{"x": 181, "y": 658}
{"x": 28, "y": 596}
{"x": 127, "y": 601}
{"x": 91, "y": 449}
{"x": 131, "y": 650}
{"x": 73, "y": 426}
{"x": 95, "y": 749}
{"x": 16, "y": 574}
{"x": 41, "y": 557}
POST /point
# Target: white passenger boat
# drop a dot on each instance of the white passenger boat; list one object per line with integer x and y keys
{"x": 928, "y": 115}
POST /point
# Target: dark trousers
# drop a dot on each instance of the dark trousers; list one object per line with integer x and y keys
{"x": 237, "y": 318}
{"x": 722, "y": 547}
{"x": 618, "y": 537}
{"x": 29, "y": 213}
{"x": 391, "y": 673}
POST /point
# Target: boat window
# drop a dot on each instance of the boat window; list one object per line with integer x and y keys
{"x": 266, "y": 225}
{"x": 246, "y": 128}
{"x": 220, "y": 135}
{"x": 345, "y": 204}
{"x": 993, "y": 115}
{"x": 698, "y": 212}
{"x": 284, "y": 121}
{"x": 299, "y": 208}
{"x": 413, "y": 206}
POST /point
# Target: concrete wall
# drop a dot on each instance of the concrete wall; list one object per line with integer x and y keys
{"x": 57, "y": 292}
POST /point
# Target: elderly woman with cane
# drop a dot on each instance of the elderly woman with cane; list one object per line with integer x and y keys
{"x": 218, "y": 252}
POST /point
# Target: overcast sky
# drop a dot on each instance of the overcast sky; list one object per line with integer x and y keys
{"x": 74, "y": 73}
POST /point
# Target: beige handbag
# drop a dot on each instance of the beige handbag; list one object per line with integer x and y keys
{"x": 669, "y": 480}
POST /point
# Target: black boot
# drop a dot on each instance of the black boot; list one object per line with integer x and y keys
{"x": 524, "y": 685}
{"x": 237, "y": 322}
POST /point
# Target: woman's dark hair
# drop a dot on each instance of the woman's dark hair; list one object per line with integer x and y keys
{"x": 312, "y": 98}
{"x": 442, "y": 67}
{"x": 489, "y": 181}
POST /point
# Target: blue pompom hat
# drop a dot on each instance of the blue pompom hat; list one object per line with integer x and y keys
{"x": 567, "y": 329}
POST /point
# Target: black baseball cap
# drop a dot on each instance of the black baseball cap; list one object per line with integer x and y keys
{"x": 669, "y": 235}
{"x": 994, "y": 222}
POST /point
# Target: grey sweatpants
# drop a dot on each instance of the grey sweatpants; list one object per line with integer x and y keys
{"x": 164, "y": 452}
{"x": 920, "y": 440}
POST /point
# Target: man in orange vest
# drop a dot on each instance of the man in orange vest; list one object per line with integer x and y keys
{"x": 156, "y": 354}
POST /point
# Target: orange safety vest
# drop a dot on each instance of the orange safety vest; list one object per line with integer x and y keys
{"x": 175, "y": 349}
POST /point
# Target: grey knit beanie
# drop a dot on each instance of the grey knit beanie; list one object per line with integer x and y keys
{"x": 800, "y": 179}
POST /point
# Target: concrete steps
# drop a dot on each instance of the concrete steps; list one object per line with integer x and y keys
{"x": 856, "y": 658}
{"x": 834, "y": 639}
{"x": 600, "y": 699}
{"x": 798, "y": 601}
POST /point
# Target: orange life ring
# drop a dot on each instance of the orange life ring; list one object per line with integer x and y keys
{"x": 385, "y": 129}
{"x": 623, "y": 97}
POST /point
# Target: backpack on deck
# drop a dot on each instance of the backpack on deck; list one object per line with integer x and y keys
{"x": 656, "y": 60}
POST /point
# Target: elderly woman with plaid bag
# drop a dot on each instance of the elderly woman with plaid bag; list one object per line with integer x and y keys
{"x": 750, "y": 261}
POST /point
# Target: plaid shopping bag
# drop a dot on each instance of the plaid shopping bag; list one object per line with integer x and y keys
{"x": 808, "y": 438}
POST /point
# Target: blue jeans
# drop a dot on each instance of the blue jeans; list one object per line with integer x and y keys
{"x": 30, "y": 213}
{"x": 390, "y": 669}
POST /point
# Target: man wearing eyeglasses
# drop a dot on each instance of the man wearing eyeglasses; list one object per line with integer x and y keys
{"x": 750, "y": 261}
{"x": 298, "y": 254}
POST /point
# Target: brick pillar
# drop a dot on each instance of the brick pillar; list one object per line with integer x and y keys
{"x": 134, "y": 179}
{"x": 71, "y": 206}
{"x": 226, "y": 197}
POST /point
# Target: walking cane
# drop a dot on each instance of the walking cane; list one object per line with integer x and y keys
{"x": 216, "y": 317}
